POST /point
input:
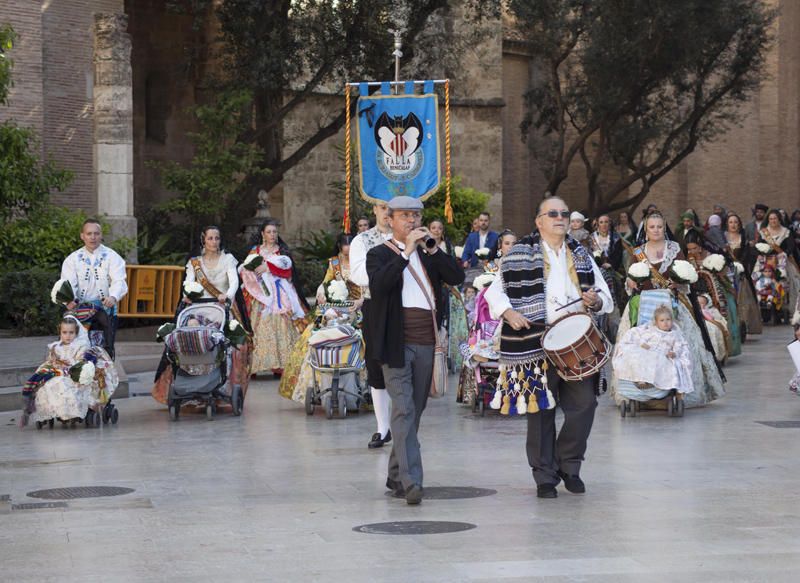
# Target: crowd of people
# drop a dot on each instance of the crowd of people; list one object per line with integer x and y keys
{"x": 682, "y": 300}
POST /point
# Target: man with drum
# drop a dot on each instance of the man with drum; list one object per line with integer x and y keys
{"x": 546, "y": 276}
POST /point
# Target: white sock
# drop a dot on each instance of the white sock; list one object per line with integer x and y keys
{"x": 381, "y": 403}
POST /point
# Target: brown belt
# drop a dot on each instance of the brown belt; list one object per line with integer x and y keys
{"x": 418, "y": 327}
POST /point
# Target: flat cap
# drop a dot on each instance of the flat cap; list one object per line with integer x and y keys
{"x": 576, "y": 216}
{"x": 406, "y": 203}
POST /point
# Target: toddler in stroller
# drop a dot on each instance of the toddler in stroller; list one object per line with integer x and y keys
{"x": 203, "y": 361}
{"x": 652, "y": 361}
{"x": 74, "y": 384}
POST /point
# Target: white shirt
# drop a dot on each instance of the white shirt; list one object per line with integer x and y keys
{"x": 559, "y": 289}
{"x": 413, "y": 296}
{"x": 223, "y": 276}
{"x": 482, "y": 239}
{"x": 95, "y": 276}
{"x": 358, "y": 259}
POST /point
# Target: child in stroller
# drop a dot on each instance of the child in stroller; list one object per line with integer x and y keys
{"x": 74, "y": 384}
{"x": 652, "y": 361}
{"x": 205, "y": 368}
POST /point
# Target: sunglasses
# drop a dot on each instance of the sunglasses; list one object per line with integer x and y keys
{"x": 553, "y": 214}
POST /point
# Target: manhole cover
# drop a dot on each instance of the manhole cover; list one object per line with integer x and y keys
{"x": 452, "y": 492}
{"x": 38, "y": 505}
{"x": 79, "y": 492}
{"x": 781, "y": 424}
{"x": 414, "y": 527}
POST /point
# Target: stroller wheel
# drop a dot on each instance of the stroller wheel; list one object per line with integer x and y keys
{"x": 623, "y": 409}
{"x": 174, "y": 410}
{"x": 679, "y": 407}
{"x": 114, "y": 416}
{"x": 310, "y": 401}
{"x": 237, "y": 400}
{"x": 327, "y": 402}
{"x": 39, "y": 424}
{"x": 481, "y": 406}
{"x": 342, "y": 405}
{"x": 51, "y": 423}
{"x": 671, "y": 406}
{"x": 209, "y": 411}
{"x": 88, "y": 421}
{"x": 632, "y": 408}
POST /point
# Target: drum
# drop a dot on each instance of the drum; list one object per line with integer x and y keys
{"x": 575, "y": 346}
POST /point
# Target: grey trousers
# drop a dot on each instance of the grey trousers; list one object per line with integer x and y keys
{"x": 408, "y": 388}
{"x": 548, "y": 454}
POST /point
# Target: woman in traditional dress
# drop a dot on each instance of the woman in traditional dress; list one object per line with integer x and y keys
{"x": 625, "y": 229}
{"x": 297, "y": 375}
{"x": 275, "y": 304}
{"x": 658, "y": 255}
{"x": 781, "y": 254}
{"x": 452, "y": 302}
{"x": 740, "y": 251}
{"x": 719, "y": 287}
{"x": 607, "y": 250}
{"x": 215, "y": 270}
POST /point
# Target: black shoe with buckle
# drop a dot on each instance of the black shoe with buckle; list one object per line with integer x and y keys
{"x": 378, "y": 441}
{"x": 546, "y": 491}
{"x": 573, "y": 483}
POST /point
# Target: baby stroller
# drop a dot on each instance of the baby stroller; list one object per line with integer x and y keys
{"x": 336, "y": 356}
{"x": 481, "y": 361}
{"x": 202, "y": 358}
{"x": 634, "y": 395}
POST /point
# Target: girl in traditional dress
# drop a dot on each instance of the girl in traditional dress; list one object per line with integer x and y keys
{"x": 215, "y": 270}
{"x": 51, "y": 393}
{"x": 297, "y": 376}
{"x": 661, "y": 345}
{"x": 776, "y": 246}
{"x": 607, "y": 250}
{"x": 659, "y": 255}
{"x": 741, "y": 252}
{"x": 274, "y": 303}
{"x": 716, "y": 326}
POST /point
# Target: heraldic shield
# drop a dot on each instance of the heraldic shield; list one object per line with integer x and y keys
{"x": 398, "y": 145}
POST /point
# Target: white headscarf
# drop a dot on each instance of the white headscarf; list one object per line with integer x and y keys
{"x": 82, "y": 339}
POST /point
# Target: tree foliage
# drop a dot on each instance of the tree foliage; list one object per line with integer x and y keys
{"x": 7, "y": 38}
{"x": 629, "y": 88}
{"x": 214, "y": 177}
{"x": 467, "y": 204}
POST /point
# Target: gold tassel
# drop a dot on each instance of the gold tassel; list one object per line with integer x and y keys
{"x": 504, "y": 410}
{"x": 533, "y": 406}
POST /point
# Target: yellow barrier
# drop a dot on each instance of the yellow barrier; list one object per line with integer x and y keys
{"x": 153, "y": 291}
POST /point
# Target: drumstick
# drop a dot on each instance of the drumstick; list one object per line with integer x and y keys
{"x": 573, "y": 302}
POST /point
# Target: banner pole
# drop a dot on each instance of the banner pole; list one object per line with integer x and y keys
{"x": 398, "y": 45}
{"x": 347, "y": 161}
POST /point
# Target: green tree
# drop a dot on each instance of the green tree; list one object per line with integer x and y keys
{"x": 216, "y": 175}
{"x": 7, "y": 37}
{"x": 467, "y": 204}
{"x": 630, "y": 88}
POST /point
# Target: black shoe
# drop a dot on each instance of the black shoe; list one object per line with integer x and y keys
{"x": 573, "y": 483}
{"x": 378, "y": 441}
{"x": 546, "y": 491}
{"x": 414, "y": 495}
{"x": 396, "y": 487}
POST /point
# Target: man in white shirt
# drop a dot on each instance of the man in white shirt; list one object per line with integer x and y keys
{"x": 97, "y": 275}
{"x": 363, "y": 242}
{"x": 544, "y": 293}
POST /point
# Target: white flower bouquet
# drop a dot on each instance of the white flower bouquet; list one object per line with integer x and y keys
{"x": 336, "y": 291}
{"x": 82, "y": 373}
{"x": 164, "y": 330}
{"x": 738, "y": 267}
{"x": 458, "y": 251}
{"x": 597, "y": 253}
{"x": 483, "y": 280}
{"x": 763, "y": 248}
{"x": 482, "y": 253}
{"x": 192, "y": 290}
{"x": 639, "y": 272}
{"x": 250, "y": 263}
{"x": 235, "y": 332}
{"x": 62, "y": 292}
{"x": 714, "y": 262}
{"x": 682, "y": 272}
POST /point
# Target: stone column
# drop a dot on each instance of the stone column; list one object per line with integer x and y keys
{"x": 113, "y": 124}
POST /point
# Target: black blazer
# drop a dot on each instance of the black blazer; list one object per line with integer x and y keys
{"x": 385, "y": 270}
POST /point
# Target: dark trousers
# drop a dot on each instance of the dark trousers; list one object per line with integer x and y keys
{"x": 548, "y": 454}
{"x": 408, "y": 388}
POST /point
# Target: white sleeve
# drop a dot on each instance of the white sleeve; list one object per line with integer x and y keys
{"x": 190, "y": 276}
{"x": 69, "y": 273}
{"x": 119, "y": 285}
{"x": 602, "y": 290}
{"x": 233, "y": 277}
{"x": 358, "y": 262}
{"x": 497, "y": 299}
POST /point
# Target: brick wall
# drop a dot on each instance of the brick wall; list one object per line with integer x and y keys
{"x": 26, "y": 100}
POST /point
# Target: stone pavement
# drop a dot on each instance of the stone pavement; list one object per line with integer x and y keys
{"x": 275, "y": 495}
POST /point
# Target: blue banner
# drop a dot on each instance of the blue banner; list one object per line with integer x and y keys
{"x": 398, "y": 145}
